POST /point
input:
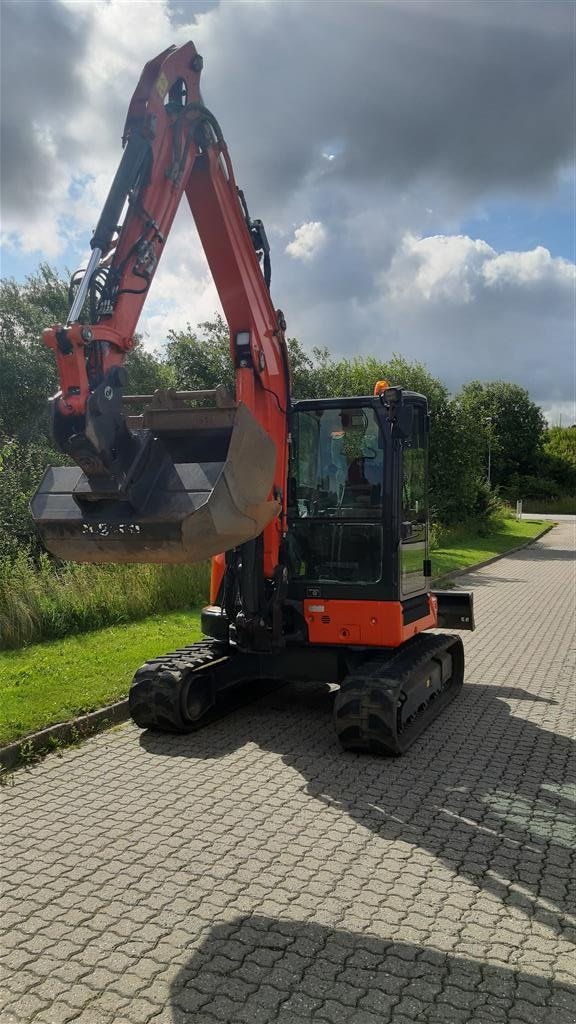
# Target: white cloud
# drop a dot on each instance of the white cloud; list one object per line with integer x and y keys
{"x": 525, "y": 269}
{"x": 435, "y": 269}
{"x": 457, "y": 269}
{"x": 308, "y": 240}
{"x": 78, "y": 116}
{"x": 560, "y": 414}
{"x": 468, "y": 311}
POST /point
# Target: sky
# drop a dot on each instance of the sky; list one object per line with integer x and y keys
{"x": 413, "y": 162}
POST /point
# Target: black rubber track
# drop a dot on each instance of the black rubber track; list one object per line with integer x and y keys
{"x": 190, "y": 688}
{"x": 160, "y": 696}
{"x": 367, "y": 708}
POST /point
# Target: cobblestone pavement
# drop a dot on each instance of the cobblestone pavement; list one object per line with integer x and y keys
{"x": 253, "y": 873}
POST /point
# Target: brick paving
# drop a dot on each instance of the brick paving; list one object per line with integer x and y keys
{"x": 253, "y": 873}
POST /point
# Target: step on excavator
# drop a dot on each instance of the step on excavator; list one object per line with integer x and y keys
{"x": 314, "y": 513}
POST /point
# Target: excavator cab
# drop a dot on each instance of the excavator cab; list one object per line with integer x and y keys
{"x": 197, "y": 482}
{"x": 358, "y": 497}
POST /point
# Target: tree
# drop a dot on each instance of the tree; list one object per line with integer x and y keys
{"x": 21, "y": 468}
{"x": 147, "y": 371}
{"x": 507, "y": 424}
{"x": 199, "y": 358}
{"x": 560, "y": 443}
{"x": 27, "y": 367}
{"x": 559, "y": 457}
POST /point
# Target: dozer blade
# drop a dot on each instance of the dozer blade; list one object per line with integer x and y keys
{"x": 204, "y": 488}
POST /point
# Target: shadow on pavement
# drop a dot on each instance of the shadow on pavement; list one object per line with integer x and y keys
{"x": 485, "y": 791}
{"x": 260, "y": 970}
{"x": 480, "y": 579}
{"x": 528, "y": 554}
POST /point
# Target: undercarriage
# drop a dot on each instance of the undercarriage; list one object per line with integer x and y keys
{"x": 385, "y": 701}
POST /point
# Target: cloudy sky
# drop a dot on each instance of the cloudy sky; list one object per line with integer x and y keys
{"x": 413, "y": 161}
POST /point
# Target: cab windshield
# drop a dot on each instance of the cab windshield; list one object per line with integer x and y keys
{"x": 337, "y": 464}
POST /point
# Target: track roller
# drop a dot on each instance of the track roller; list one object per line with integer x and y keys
{"x": 387, "y": 702}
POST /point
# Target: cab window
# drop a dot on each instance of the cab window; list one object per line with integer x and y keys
{"x": 337, "y": 466}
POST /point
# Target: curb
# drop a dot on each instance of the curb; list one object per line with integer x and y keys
{"x": 40, "y": 743}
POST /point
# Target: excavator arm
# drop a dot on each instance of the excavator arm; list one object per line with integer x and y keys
{"x": 176, "y": 482}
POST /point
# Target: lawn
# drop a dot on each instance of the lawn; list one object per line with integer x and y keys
{"x": 53, "y": 681}
{"x": 460, "y": 548}
{"x": 59, "y": 679}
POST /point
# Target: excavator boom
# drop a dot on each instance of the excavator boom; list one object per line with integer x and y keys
{"x": 177, "y": 482}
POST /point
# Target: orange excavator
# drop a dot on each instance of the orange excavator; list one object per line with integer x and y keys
{"x": 314, "y": 513}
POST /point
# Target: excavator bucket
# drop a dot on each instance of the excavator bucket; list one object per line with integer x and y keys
{"x": 204, "y": 488}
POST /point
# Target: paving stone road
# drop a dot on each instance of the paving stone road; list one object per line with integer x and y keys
{"x": 253, "y": 873}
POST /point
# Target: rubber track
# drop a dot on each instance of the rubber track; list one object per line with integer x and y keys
{"x": 366, "y": 706}
{"x": 160, "y": 687}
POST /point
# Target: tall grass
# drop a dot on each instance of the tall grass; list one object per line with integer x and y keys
{"x": 564, "y": 506}
{"x": 41, "y": 600}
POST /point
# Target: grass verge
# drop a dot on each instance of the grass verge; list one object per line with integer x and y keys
{"x": 460, "y": 548}
{"x": 43, "y": 600}
{"x": 54, "y": 681}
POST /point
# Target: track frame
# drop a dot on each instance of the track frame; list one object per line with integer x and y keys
{"x": 385, "y": 701}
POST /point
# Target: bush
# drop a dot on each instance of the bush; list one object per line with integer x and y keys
{"x": 21, "y": 469}
{"x": 532, "y": 487}
{"x": 436, "y": 534}
{"x": 490, "y": 511}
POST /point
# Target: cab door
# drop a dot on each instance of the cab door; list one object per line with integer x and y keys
{"x": 414, "y": 505}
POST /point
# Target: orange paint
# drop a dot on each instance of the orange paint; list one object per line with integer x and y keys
{"x": 364, "y": 623}
{"x": 218, "y": 565}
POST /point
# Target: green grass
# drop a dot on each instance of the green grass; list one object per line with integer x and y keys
{"x": 55, "y": 681}
{"x": 461, "y": 547}
{"x": 41, "y": 601}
